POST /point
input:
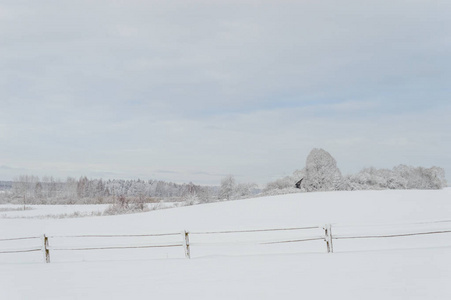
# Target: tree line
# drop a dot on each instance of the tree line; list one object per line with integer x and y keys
{"x": 320, "y": 173}
{"x": 30, "y": 189}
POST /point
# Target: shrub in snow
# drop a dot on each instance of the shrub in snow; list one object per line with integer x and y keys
{"x": 275, "y": 192}
{"x": 321, "y": 172}
{"x": 230, "y": 190}
{"x": 124, "y": 205}
{"x": 280, "y": 184}
{"x": 285, "y": 185}
{"x": 15, "y": 208}
{"x": 191, "y": 199}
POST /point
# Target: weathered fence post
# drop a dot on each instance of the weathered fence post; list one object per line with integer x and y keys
{"x": 186, "y": 244}
{"x": 45, "y": 248}
{"x": 328, "y": 238}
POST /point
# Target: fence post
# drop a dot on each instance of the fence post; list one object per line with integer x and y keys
{"x": 45, "y": 248}
{"x": 186, "y": 244}
{"x": 328, "y": 238}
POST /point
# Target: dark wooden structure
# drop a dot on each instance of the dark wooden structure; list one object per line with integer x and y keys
{"x": 298, "y": 184}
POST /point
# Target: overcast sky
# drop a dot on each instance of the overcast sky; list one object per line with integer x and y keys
{"x": 195, "y": 90}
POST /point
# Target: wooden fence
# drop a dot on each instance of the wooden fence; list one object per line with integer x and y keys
{"x": 183, "y": 239}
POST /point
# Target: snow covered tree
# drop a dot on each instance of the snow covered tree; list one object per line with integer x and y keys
{"x": 191, "y": 198}
{"x": 227, "y": 188}
{"x": 437, "y": 177}
{"x": 287, "y": 183}
{"x": 321, "y": 172}
{"x": 421, "y": 178}
{"x": 400, "y": 177}
{"x": 24, "y": 188}
{"x": 243, "y": 190}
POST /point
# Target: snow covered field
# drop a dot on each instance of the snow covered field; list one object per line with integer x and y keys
{"x": 411, "y": 267}
{"x": 33, "y": 211}
{"x": 58, "y": 211}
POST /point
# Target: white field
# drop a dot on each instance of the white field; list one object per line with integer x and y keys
{"x": 60, "y": 211}
{"x": 413, "y": 267}
{"x": 36, "y": 211}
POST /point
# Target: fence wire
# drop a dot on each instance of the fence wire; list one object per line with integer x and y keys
{"x": 219, "y": 243}
{"x": 113, "y": 235}
{"x": 115, "y": 247}
{"x": 296, "y": 241}
{"x": 337, "y": 225}
{"x": 255, "y": 230}
{"x": 389, "y": 235}
{"x": 254, "y": 243}
{"x": 21, "y": 238}
{"x": 20, "y": 250}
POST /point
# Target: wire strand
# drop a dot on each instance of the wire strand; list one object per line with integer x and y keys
{"x": 115, "y": 247}
{"x": 21, "y": 238}
{"x": 255, "y": 230}
{"x": 19, "y": 251}
{"x": 112, "y": 235}
{"x": 389, "y": 235}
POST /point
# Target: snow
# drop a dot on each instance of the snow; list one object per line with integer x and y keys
{"x": 394, "y": 268}
{"x": 59, "y": 211}
{"x": 32, "y": 211}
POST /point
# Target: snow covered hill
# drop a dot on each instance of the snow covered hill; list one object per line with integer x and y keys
{"x": 410, "y": 267}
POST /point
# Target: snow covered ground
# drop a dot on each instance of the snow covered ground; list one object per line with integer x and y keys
{"x": 59, "y": 211}
{"x": 411, "y": 267}
{"x": 32, "y": 211}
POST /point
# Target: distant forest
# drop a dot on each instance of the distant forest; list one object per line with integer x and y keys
{"x": 320, "y": 173}
{"x": 29, "y": 189}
